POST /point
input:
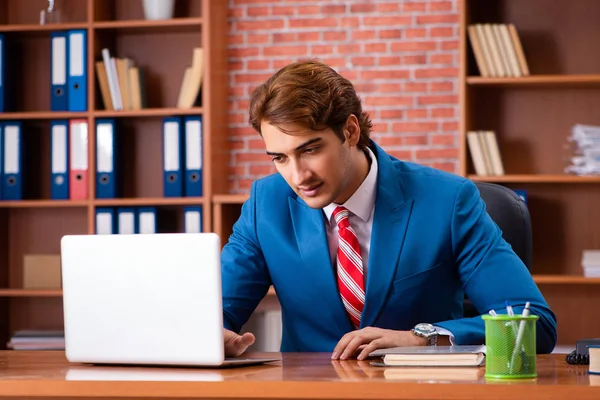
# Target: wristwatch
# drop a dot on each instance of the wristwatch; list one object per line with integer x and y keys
{"x": 427, "y": 331}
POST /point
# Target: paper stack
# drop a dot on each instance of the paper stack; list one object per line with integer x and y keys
{"x": 586, "y": 160}
{"x": 590, "y": 262}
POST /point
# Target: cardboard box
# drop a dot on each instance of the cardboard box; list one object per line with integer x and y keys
{"x": 42, "y": 271}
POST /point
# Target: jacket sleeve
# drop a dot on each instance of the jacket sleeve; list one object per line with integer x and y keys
{"x": 244, "y": 274}
{"x": 491, "y": 273}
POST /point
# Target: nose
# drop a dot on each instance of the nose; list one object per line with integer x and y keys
{"x": 300, "y": 172}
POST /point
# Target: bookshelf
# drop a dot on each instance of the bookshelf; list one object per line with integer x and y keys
{"x": 532, "y": 117}
{"x": 163, "y": 49}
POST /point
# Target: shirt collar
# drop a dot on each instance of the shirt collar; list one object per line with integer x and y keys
{"x": 362, "y": 201}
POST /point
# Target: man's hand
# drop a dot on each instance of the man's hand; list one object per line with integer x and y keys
{"x": 236, "y": 344}
{"x": 370, "y": 339}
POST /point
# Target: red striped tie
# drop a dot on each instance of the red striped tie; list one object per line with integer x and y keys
{"x": 350, "y": 267}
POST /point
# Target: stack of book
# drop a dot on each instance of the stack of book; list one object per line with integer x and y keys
{"x": 485, "y": 153}
{"x": 120, "y": 81}
{"x": 37, "y": 340}
{"x": 586, "y": 142}
{"x": 590, "y": 262}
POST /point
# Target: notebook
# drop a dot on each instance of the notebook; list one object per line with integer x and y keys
{"x": 431, "y": 356}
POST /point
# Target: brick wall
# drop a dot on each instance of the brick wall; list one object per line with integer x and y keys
{"x": 401, "y": 55}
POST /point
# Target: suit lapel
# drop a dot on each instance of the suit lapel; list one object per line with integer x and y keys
{"x": 390, "y": 221}
{"x": 309, "y": 227}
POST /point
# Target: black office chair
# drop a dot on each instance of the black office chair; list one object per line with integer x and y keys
{"x": 512, "y": 216}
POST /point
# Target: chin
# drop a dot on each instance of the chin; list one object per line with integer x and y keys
{"x": 316, "y": 202}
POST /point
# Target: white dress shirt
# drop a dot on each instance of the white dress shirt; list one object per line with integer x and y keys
{"x": 361, "y": 206}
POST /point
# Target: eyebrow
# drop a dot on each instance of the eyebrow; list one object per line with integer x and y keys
{"x": 300, "y": 147}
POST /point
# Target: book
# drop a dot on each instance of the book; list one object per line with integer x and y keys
{"x": 431, "y": 356}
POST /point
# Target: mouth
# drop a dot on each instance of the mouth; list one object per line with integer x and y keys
{"x": 311, "y": 191}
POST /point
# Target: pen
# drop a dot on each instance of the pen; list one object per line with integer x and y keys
{"x": 518, "y": 343}
{"x": 493, "y": 313}
{"x": 509, "y": 309}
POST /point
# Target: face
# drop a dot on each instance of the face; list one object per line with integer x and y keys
{"x": 316, "y": 164}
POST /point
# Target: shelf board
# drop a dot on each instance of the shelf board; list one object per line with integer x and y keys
{"x": 30, "y": 293}
{"x": 541, "y": 80}
{"x": 35, "y": 28}
{"x": 28, "y": 115}
{"x": 565, "y": 279}
{"x": 148, "y": 112}
{"x": 43, "y": 203}
{"x": 230, "y": 198}
{"x": 149, "y": 201}
{"x": 149, "y": 25}
{"x": 537, "y": 178}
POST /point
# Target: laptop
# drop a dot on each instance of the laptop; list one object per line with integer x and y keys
{"x": 145, "y": 299}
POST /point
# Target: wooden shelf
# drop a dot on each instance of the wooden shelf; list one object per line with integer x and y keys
{"x": 174, "y": 24}
{"x": 43, "y": 203}
{"x": 157, "y": 201}
{"x": 30, "y": 293}
{"x": 34, "y": 28}
{"x": 230, "y": 198}
{"x": 565, "y": 279}
{"x": 533, "y": 178}
{"x": 30, "y": 115}
{"x": 148, "y": 112}
{"x": 541, "y": 80}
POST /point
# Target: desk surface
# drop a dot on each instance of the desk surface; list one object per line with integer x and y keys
{"x": 297, "y": 376}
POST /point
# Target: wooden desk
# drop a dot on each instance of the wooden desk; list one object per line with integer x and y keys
{"x": 298, "y": 376}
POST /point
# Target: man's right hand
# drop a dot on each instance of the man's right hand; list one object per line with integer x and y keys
{"x": 236, "y": 344}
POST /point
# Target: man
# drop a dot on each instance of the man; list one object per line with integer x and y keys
{"x": 364, "y": 251}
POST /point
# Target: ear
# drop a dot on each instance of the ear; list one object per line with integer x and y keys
{"x": 352, "y": 130}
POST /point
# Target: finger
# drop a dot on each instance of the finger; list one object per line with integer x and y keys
{"x": 237, "y": 344}
{"x": 354, "y": 343}
{"x": 341, "y": 345}
{"x": 374, "y": 345}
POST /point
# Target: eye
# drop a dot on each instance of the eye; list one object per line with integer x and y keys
{"x": 311, "y": 150}
{"x": 277, "y": 159}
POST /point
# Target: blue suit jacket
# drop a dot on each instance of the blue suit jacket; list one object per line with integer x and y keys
{"x": 432, "y": 241}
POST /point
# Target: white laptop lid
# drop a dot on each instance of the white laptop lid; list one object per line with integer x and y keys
{"x": 143, "y": 299}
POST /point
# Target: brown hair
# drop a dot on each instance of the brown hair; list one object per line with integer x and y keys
{"x": 312, "y": 94}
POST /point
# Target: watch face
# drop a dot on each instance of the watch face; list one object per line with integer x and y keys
{"x": 425, "y": 328}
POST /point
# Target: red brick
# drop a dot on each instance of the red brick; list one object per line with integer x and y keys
{"x": 413, "y": 46}
{"x": 236, "y": 91}
{"x": 391, "y": 114}
{"x": 257, "y": 64}
{"x": 243, "y": 104}
{"x": 437, "y": 19}
{"x": 441, "y": 87}
{"x": 414, "y": 59}
{"x": 363, "y": 61}
{"x": 236, "y": 118}
{"x": 335, "y": 36}
{"x": 449, "y": 45}
{"x": 250, "y": 78}
{"x": 386, "y": 74}
{"x": 390, "y": 141}
{"x": 262, "y": 170}
{"x": 267, "y": 25}
{"x": 309, "y": 10}
{"x": 415, "y": 140}
{"x": 286, "y": 10}
{"x": 445, "y": 166}
{"x": 239, "y": 2}
{"x": 389, "y": 101}
{"x": 322, "y": 49}
{"x": 256, "y": 143}
{"x": 365, "y": 87}
{"x": 243, "y": 52}
{"x": 445, "y": 99}
{"x": 236, "y": 66}
{"x": 308, "y": 36}
{"x": 285, "y": 51}
{"x": 239, "y": 170}
{"x": 363, "y": 8}
{"x": 436, "y": 153}
{"x": 416, "y": 113}
{"x": 241, "y": 132}
{"x": 450, "y": 126}
{"x": 442, "y": 58}
{"x": 244, "y": 184}
{"x": 236, "y": 39}
{"x": 440, "y": 6}
{"x": 258, "y": 38}
{"x": 285, "y": 37}
{"x": 257, "y": 11}
{"x": 387, "y": 61}
{"x": 349, "y": 22}
{"x": 313, "y": 23}
{"x": 415, "y": 126}
{"x": 251, "y": 157}
{"x": 413, "y": 87}
{"x": 349, "y": 48}
{"x": 388, "y": 7}
{"x": 379, "y": 127}
{"x": 363, "y": 35}
{"x": 389, "y": 88}
{"x": 387, "y": 21}
{"x": 390, "y": 33}
{"x": 442, "y": 32}
{"x": 333, "y": 9}
{"x": 415, "y": 33}
{"x": 376, "y": 48}
{"x": 236, "y": 12}
{"x": 436, "y": 73}
{"x": 405, "y": 155}
{"x": 443, "y": 139}
{"x": 443, "y": 113}
{"x": 336, "y": 62}
{"x": 411, "y": 6}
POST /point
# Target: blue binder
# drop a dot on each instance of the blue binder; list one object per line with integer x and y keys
{"x": 193, "y": 156}
{"x": 192, "y": 219}
{"x": 77, "y": 75}
{"x": 105, "y": 221}
{"x": 1, "y": 159}
{"x": 13, "y": 164}
{"x": 59, "y": 160}
{"x": 147, "y": 220}
{"x": 106, "y": 166}
{"x": 59, "y": 70}
{"x": 172, "y": 157}
{"x": 2, "y": 62}
{"x": 126, "y": 220}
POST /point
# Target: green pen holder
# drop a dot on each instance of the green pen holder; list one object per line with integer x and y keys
{"x": 505, "y": 358}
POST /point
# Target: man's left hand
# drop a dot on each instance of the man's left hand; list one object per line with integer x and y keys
{"x": 371, "y": 339}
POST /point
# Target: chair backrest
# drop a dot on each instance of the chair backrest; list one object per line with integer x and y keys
{"x": 511, "y": 214}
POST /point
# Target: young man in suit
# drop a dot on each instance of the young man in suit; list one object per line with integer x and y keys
{"x": 364, "y": 251}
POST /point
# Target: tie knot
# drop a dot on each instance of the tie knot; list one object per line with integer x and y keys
{"x": 341, "y": 215}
